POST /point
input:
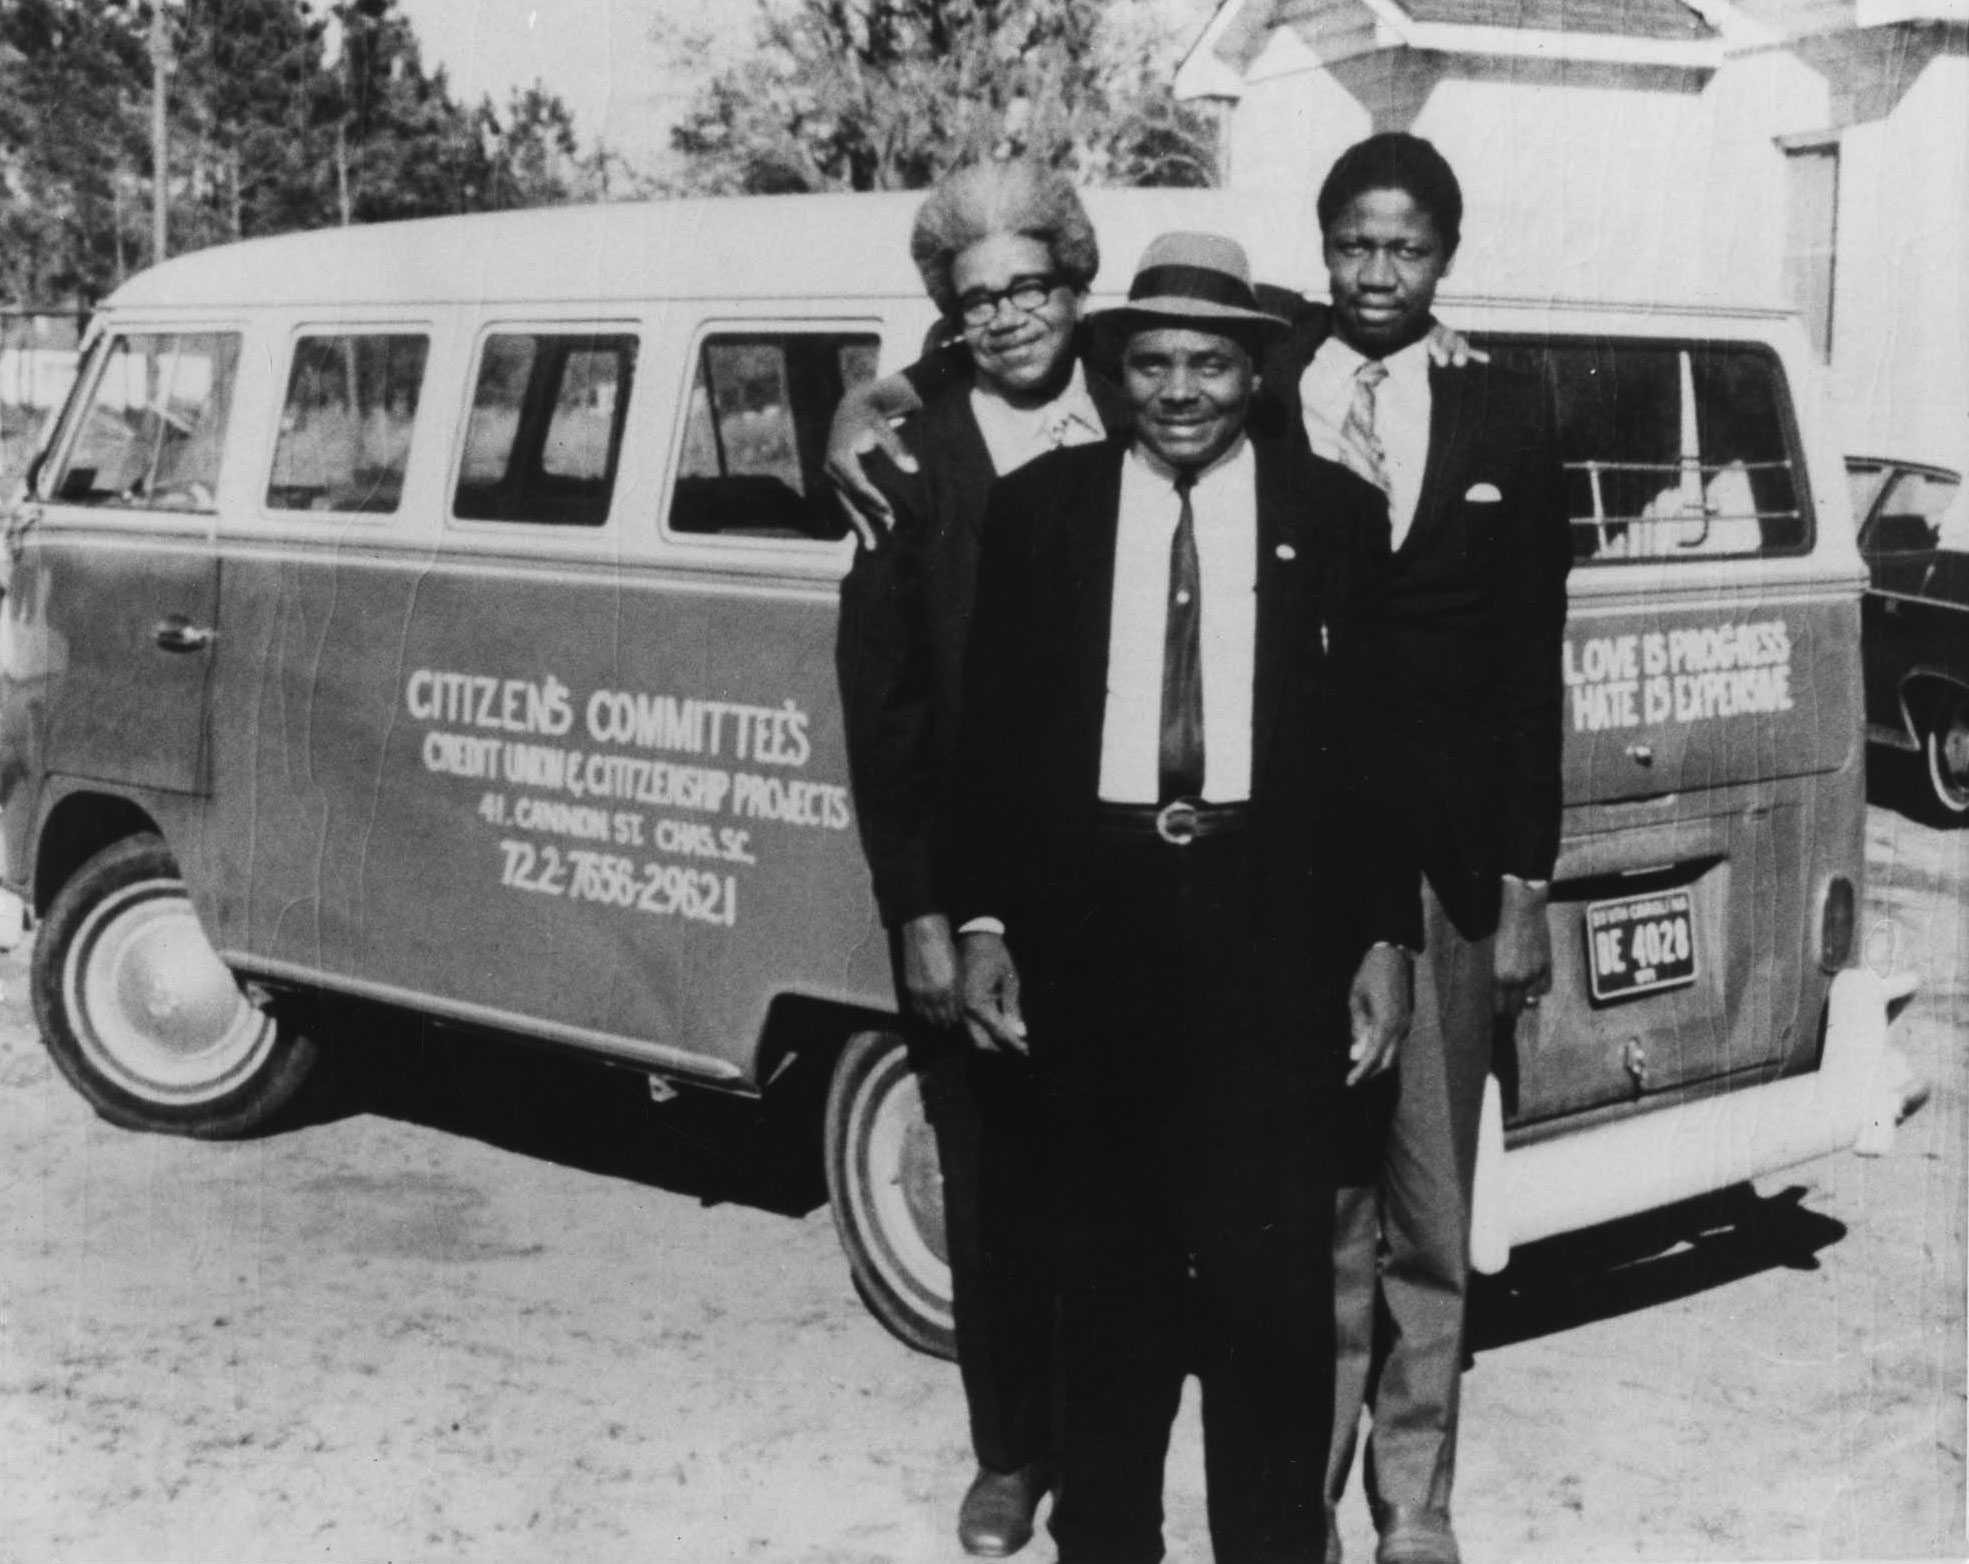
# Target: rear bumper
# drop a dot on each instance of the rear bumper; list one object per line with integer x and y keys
{"x": 1855, "y": 1097}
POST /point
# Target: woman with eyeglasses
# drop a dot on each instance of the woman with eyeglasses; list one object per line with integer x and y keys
{"x": 1006, "y": 252}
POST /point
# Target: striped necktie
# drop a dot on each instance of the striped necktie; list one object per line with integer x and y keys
{"x": 1359, "y": 447}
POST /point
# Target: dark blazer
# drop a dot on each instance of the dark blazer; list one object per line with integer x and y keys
{"x": 1336, "y": 872}
{"x": 899, "y": 651}
{"x": 1468, "y": 654}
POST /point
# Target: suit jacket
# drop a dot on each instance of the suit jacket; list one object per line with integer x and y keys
{"x": 899, "y": 652}
{"x": 1468, "y": 652}
{"x": 1336, "y": 874}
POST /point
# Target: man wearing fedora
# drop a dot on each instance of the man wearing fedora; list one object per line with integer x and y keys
{"x": 1177, "y": 894}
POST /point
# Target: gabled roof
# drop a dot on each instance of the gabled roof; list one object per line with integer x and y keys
{"x": 1687, "y": 34}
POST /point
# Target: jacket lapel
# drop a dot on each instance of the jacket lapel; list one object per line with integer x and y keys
{"x": 1452, "y": 431}
{"x": 1089, "y": 561}
{"x": 1281, "y": 570}
{"x": 968, "y": 460}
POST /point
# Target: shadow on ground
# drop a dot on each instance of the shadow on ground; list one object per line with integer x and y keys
{"x": 1645, "y": 1260}
{"x": 564, "y": 1108}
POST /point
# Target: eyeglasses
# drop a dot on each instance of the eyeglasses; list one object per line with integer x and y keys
{"x": 979, "y": 307}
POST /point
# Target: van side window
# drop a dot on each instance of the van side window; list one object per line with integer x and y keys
{"x": 153, "y": 430}
{"x": 1672, "y": 451}
{"x": 345, "y": 427}
{"x": 755, "y": 434}
{"x": 546, "y": 428}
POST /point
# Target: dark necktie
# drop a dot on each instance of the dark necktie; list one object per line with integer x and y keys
{"x": 1181, "y": 750}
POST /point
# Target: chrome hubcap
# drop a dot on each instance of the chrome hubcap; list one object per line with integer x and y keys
{"x": 901, "y": 1189}
{"x": 155, "y": 1010}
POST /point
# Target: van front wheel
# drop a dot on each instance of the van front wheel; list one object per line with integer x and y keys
{"x": 886, "y": 1189}
{"x": 1945, "y": 746}
{"x": 142, "y": 1016}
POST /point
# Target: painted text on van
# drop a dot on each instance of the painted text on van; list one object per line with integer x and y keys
{"x": 1683, "y": 675}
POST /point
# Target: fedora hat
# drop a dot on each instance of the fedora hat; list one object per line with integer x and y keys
{"x": 1196, "y": 277}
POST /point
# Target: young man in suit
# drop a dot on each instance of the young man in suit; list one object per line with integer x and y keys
{"x": 1467, "y": 662}
{"x": 1163, "y": 858}
{"x": 1006, "y": 252}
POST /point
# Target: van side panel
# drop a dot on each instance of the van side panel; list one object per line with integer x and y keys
{"x": 587, "y": 799}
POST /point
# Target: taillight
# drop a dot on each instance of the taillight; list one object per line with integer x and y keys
{"x": 1836, "y": 925}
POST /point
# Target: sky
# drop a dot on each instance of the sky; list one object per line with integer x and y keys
{"x": 613, "y": 62}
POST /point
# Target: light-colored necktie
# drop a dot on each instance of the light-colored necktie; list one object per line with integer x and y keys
{"x": 1359, "y": 448}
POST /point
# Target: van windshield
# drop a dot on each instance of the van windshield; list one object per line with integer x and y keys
{"x": 151, "y": 432}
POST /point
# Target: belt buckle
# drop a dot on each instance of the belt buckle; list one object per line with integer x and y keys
{"x": 1176, "y": 822}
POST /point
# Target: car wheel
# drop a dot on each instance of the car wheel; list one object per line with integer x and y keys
{"x": 142, "y": 1016}
{"x": 886, "y": 1188}
{"x": 1945, "y": 747}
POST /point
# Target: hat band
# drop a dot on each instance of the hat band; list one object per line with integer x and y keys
{"x": 1204, "y": 284}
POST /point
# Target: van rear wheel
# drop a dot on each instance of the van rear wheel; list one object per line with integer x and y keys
{"x": 142, "y": 1016}
{"x": 1945, "y": 747}
{"x": 886, "y": 1189}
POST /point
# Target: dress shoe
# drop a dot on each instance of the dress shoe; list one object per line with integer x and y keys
{"x": 995, "y": 1519}
{"x": 1415, "y": 1537}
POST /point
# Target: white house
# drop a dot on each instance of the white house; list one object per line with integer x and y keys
{"x": 1810, "y": 150}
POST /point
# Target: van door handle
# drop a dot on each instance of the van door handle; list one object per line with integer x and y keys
{"x": 175, "y": 633}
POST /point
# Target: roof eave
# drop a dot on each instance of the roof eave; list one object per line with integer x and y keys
{"x": 1700, "y": 54}
{"x": 1886, "y": 13}
{"x": 1208, "y": 72}
{"x": 1203, "y": 72}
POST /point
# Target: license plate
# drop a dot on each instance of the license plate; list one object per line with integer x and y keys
{"x": 1640, "y": 944}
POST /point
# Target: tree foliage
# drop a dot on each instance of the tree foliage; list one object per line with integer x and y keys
{"x": 71, "y": 129}
{"x": 888, "y": 94}
{"x": 282, "y": 116}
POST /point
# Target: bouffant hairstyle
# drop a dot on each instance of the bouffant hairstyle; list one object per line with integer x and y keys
{"x": 1002, "y": 196}
{"x": 1395, "y": 160}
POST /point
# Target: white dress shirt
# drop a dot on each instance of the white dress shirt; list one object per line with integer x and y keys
{"x": 1015, "y": 435}
{"x": 1401, "y": 417}
{"x": 1225, "y": 506}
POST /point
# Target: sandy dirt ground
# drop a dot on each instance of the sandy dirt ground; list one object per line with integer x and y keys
{"x": 493, "y": 1306}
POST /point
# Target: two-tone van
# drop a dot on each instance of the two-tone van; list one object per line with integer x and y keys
{"x": 441, "y": 614}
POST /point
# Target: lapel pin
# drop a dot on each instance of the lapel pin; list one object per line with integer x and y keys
{"x": 1286, "y": 551}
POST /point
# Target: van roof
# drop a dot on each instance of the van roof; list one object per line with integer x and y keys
{"x": 766, "y": 247}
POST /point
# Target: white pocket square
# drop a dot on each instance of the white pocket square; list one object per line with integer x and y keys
{"x": 1482, "y": 494}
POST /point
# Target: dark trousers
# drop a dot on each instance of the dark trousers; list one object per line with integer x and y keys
{"x": 1402, "y": 1241}
{"x": 1188, "y": 1123}
{"x": 984, "y": 1111}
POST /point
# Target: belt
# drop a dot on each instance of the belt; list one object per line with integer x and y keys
{"x": 1179, "y": 822}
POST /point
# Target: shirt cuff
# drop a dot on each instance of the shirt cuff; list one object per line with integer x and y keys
{"x": 1540, "y": 886}
{"x": 1388, "y": 944}
{"x": 983, "y": 926}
